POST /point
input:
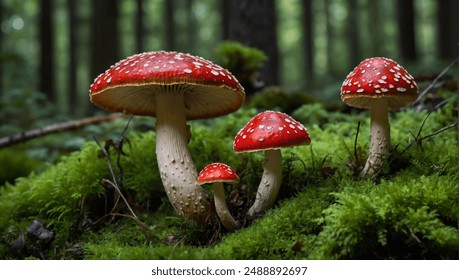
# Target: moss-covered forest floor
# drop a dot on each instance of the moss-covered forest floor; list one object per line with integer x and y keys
{"x": 324, "y": 211}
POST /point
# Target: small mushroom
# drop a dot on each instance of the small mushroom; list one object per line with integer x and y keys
{"x": 269, "y": 131}
{"x": 378, "y": 84}
{"x": 173, "y": 87}
{"x": 217, "y": 174}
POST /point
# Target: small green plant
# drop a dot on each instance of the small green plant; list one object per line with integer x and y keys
{"x": 243, "y": 62}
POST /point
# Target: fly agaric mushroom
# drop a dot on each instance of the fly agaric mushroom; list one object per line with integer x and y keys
{"x": 217, "y": 174}
{"x": 173, "y": 87}
{"x": 269, "y": 131}
{"x": 378, "y": 84}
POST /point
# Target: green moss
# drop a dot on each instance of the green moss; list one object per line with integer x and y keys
{"x": 16, "y": 163}
{"x": 398, "y": 219}
{"x": 323, "y": 212}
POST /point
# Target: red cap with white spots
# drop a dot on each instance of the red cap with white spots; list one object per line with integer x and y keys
{"x": 376, "y": 78}
{"x": 130, "y": 85}
{"x": 217, "y": 172}
{"x": 270, "y": 130}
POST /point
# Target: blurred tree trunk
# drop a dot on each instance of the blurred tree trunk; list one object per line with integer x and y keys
{"x": 73, "y": 63}
{"x": 448, "y": 28}
{"x": 406, "y": 23}
{"x": 191, "y": 31}
{"x": 2, "y": 52}
{"x": 374, "y": 25}
{"x": 353, "y": 32}
{"x": 171, "y": 43}
{"x": 253, "y": 23}
{"x": 46, "y": 32}
{"x": 329, "y": 35}
{"x": 139, "y": 27}
{"x": 104, "y": 35}
{"x": 308, "y": 40}
{"x": 225, "y": 18}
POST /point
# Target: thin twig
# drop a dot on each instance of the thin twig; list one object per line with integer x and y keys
{"x": 428, "y": 88}
{"x": 54, "y": 128}
{"x": 419, "y": 139}
{"x": 115, "y": 186}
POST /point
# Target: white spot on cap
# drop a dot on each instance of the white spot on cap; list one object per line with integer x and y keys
{"x": 215, "y": 73}
{"x": 401, "y": 89}
{"x": 188, "y": 71}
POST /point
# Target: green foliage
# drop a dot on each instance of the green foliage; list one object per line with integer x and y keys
{"x": 273, "y": 98}
{"x": 14, "y": 164}
{"x": 323, "y": 211}
{"x": 18, "y": 110}
{"x": 243, "y": 62}
{"x": 399, "y": 219}
{"x": 239, "y": 58}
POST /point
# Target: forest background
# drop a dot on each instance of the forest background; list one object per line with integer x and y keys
{"x": 55, "y": 48}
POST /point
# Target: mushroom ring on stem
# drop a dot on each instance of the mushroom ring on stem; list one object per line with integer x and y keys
{"x": 173, "y": 87}
{"x": 269, "y": 131}
{"x": 217, "y": 174}
{"x": 378, "y": 84}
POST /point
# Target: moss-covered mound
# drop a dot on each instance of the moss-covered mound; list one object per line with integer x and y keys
{"x": 324, "y": 210}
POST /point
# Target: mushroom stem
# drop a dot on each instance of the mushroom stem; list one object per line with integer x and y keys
{"x": 178, "y": 173}
{"x": 222, "y": 209}
{"x": 269, "y": 184}
{"x": 379, "y": 139}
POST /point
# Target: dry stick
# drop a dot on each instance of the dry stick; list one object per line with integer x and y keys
{"x": 54, "y": 128}
{"x": 419, "y": 139}
{"x": 426, "y": 90}
{"x": 114, "y": 185}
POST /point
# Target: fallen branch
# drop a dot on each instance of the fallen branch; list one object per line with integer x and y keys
{"x": 54, "y": 128}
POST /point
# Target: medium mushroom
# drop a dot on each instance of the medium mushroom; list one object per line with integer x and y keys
{"x": 378, "y": 84}
{"x": 173, "y": 87}
{"x": 217, "y": 174}
{"x": 269, "y": 131}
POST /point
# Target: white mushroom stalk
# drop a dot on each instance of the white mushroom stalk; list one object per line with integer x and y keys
{"x": 222, "y": 208}
{"x": 378, "y": 84}
{"x": 177, "y": 169}
{"x": 379, "y": 139}
{"x": 217, "y": 174}
{"x": 270, "y": 182}
{"x": 269, "y": 131}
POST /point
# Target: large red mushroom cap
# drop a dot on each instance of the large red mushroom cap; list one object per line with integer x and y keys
{"x": 270, "y": 130}
{"x": 217, "y": 172}
{"x": 130, "y": 85}
{"x": 377, "y": 78}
